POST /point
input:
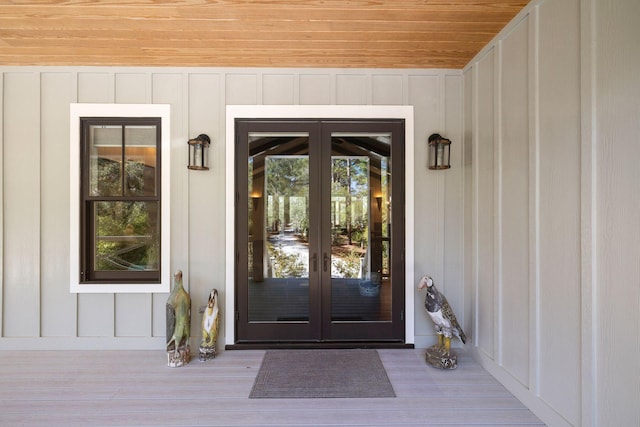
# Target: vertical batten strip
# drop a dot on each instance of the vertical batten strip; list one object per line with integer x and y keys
{"x": 37, "y": 262}
{"x": 589, "y": 270}
{"x": 467, "y": 205}
{"x": 74, "y": 99}
{"x": 498, "y": 175}
{"x": 534, "y": 186}
{"x": 475, "y": 206}
{"x": 2, "y": 204}
{"x": 184, "y": 132}
{"x": 440, "y": 184}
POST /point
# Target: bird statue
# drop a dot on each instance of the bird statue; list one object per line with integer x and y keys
{"x": 442, "y": 315}
{"x": 210, "y": 325}
{"x": 178, "y": 323}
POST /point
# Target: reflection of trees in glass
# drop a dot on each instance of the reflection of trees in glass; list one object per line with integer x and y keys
{"x": 287, "y": 177}
{"x": 350, "y": 182}
{"x": 350, "y": 215}
{"x": 287, "y": 206}
{"x": 286, "y": 265}
{"x": 348, "y": 266}
{"x": 126, "y": 238}
{"x": 108, "y": 181}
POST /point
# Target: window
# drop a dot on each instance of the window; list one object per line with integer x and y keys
{"x": 119, "y": 198}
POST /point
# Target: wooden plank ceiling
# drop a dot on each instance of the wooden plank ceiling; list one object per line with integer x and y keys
{"x": 251, "y": 33}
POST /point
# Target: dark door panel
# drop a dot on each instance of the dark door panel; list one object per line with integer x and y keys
{"x": 318, "y": 251}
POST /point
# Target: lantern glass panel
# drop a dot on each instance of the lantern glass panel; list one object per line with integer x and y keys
{"x": 198, "y": 154}
{"x": 432, "y": 156}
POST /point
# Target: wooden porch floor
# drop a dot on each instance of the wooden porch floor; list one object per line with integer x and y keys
{"x": 136, "y": 388}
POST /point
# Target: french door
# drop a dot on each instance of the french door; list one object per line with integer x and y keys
{"x": 319, "y": 243}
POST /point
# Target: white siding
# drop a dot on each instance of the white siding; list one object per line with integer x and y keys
{"x": 37, "y": 304}
{"x": 513, "y": 152}
{"x": 552, "y": 111}
{"x": 58, "y": 91}
{"x": 616, "y": 215}
{"x": 485, "y": 214}
{"x": 558, "y": 209}
{"x": 21, "y": 200}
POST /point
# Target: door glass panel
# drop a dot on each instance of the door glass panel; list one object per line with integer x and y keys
{"x": 360, "y": 227}
{"x": 278, "y": 208}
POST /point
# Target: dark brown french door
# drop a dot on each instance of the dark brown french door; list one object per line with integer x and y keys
{"x": 319, "y": 243}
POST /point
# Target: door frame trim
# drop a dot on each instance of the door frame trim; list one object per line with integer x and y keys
{"x": 234, "y": 112}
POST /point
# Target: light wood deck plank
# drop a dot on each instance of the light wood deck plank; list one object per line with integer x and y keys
{"x": 136, "y": 388}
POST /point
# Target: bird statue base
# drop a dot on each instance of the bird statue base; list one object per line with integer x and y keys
{"x": 207, "y": 353}
{"x": 179, "y": 357}
{"x": 440, "y": 358}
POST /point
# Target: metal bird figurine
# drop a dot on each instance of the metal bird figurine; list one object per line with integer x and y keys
{"x": 210, "y": 325}
{"x": 178, "y": 323}
{"x": 442, "y": 315}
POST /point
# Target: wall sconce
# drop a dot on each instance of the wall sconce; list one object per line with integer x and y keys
{"x": 198, "y": 148}
{"x": 379, "y": 202}
{"x": 256, "y": 198}
{"x": 439, "y": 152}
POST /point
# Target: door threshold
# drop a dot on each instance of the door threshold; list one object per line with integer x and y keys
{"x": 314, "y": 345}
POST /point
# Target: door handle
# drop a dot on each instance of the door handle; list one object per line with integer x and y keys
{"x": 325, "y": 261}
{"x": 314, "y": 260}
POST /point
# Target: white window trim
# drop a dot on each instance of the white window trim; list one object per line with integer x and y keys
{"x": 118, "y": 110}
{"x": 319, "y": 112}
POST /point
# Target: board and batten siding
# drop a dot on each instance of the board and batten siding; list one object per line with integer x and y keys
{"x": 552, "y": 260}
{"x": 39, "y": 312}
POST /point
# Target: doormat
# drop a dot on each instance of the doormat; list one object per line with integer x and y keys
{"x": 303, "y": 374}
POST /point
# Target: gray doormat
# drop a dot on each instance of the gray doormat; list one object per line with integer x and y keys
{"x": 321, "y": 373}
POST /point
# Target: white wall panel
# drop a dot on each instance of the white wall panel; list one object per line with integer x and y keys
{"x": 387, "y": 90}
{"x": 559, "y": 206}
{"x": 278, "y": 89}
{"x": 21, "y": 168}
{"x": 567, "y": 208}
{"x": 96, "y": 87}
{"x": 96, "y": 315}
{"x": 132, "y": 315}
{"x": 206, "y": 196}
{"x": 197, "y": 98}
{"x": 514, "y": 204}
{"x": 617, "y": 215}
{"x": 315, "y": 89}
{"x": 58, "y": 305}
{"x": 424, "y": 95}
{"x": 132, "y": 88}
{"x": 485, "y": 204}
{"x": 241, "y": 89}
{"x": 351, "y": 89}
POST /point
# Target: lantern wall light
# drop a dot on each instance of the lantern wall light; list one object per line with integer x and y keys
{"x": 439, "y": 152}
{"x": 198, "y": 152}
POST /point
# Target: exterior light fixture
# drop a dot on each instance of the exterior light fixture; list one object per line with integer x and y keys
{"x": 379, "y": 201}
{"x": 439, "y": 152}
{"x": 198, "y": 152}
